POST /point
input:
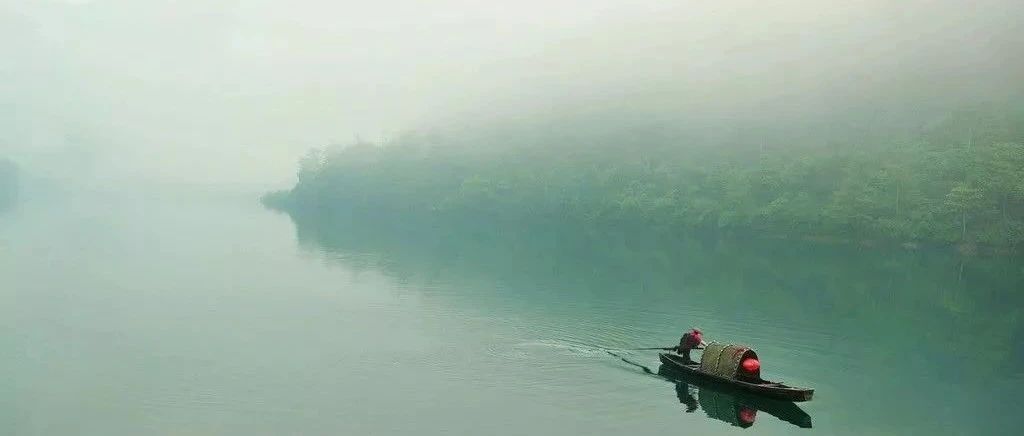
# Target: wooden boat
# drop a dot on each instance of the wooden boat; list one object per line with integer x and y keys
{"x": 720, "y": 363}
{"x": 728, "y": 403}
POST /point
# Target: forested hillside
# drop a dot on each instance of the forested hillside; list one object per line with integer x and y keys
{"x": 959, "y": 180}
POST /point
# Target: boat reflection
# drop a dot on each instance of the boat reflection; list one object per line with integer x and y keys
{"x": 728, "y": 404}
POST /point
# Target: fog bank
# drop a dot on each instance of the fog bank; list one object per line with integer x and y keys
{"x": 111, "y": 92}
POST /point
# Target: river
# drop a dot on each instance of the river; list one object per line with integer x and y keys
{"x": 205, "y": 316}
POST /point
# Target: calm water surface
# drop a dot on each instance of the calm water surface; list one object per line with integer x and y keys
{"x": 216, "y": 317}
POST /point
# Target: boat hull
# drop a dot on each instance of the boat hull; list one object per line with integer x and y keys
{"x": 764, "y": 387}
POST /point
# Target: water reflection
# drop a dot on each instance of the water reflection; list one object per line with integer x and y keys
{"x": 863, "y": 298}
{"x": 730, "y": 405}
{"x": 831, "y": 317}
{"x": 723, "y": 402}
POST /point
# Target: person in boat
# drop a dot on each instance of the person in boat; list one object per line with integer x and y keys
{"x": 691, "y": 339}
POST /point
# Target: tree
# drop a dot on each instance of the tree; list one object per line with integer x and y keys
{"x": 963, "y": 199}
{"x": 1002, "y": 172}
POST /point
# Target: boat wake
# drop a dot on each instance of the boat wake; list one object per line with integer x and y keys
{"x": 569, "y": 347}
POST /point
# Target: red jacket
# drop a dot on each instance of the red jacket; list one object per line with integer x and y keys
{"x": 690, "y": 340}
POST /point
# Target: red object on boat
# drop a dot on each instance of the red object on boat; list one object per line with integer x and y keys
{"x": 747, "y": 416}
{"x": 751, "y": 365}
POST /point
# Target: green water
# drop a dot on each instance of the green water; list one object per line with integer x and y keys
{"x": 202, "y": 317}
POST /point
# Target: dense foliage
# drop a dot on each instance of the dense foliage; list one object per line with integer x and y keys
{"x": 8, "y": 183}
{"x": 958, "y": 181}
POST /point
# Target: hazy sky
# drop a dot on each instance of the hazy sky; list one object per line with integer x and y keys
{"x": 233, "y": 91}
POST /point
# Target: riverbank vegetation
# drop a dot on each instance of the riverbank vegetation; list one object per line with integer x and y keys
{"x": 957, "y": 181}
